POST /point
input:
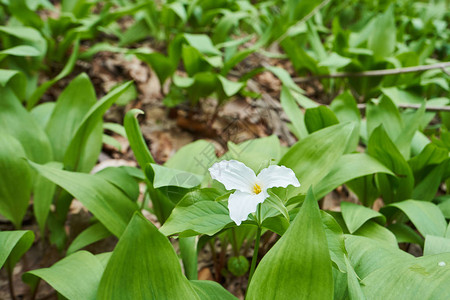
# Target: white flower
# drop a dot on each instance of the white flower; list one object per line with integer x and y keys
{"x": 250, "y": 189}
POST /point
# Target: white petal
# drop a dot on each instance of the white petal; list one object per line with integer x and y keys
{"x": 233, "y": 175}
{"x": 277, "y": 176}
{"x": 242, "y": 204}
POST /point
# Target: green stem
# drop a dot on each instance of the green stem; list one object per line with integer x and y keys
{"x": 255, "y": 255}
{"x": 256, "y": 250}
{"x": 10, "y": 270}
{"x": 234, "y": 244}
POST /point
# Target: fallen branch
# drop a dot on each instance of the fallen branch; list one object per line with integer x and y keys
{"x": 374, "y": 73}
{"x": 363, "y": 106}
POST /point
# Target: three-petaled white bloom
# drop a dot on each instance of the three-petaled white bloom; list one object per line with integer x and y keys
{"x": 250, "y": 189}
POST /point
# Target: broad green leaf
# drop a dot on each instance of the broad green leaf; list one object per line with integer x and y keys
{"x": 318, "y": 118}
{"x": 420, "y": 278}
{"x": 348, "y": 167}
{"x": 257, "y": 154}
{"x": 354, "y": 287}
{"x": 294, "y": 113}
{"x": 109, "y": 204}
{"x": 426, "y": 189}
{"x": 16, "y": 81}
{"x": 161, "y": 64}
{"x": 335, "y": 240}
{"x": 356, "y": 215}
{"x": 284, "y": 271}
{"x": 142, "y": 265}
{"x": 37, "y": 94}
{"x": 365, "y": 188}
{"x": 285, "y": 78}
{"x": 382, "y": 40}
{"x": 122, "y": 180}
{"x": 204, "y": 216}
{"x": 42, "y": 112}
{"x": 172, "y": 177}
{"x": 313, "y": 157}
{"x": 195, "y": 157}
{"x": 70, "y": 110}
{"x": 15, "y": 178}
{"x": 75, "y": 277}
{"x": 426, "y": 216}
{"x": 367, "y": 255}
{"x": 230, "y": 88}
{"x": 43, "y": 192}
{"x": 17, "y": 121}
{"x": 345, "y": 108}
{"x": 92, "y": 234}
{"x": 383, "y": 149}
{"x": 211, "y": 290}
{"x": 14, "y": 245}
{"x": 202, "y": 43}
{"x": 189, "y": 256}
{"x": 334, "y": 61}
{"x": 85, "y": 146}
{"x": 436, "y": 245}
{"x": 405, "y": 234}
{"x": 377, "y": 232}
{"x": 21, "y": 50}
{"x": 384, "y": 112}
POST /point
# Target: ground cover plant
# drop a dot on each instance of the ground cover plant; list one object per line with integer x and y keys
{"x": 224, "y": 149}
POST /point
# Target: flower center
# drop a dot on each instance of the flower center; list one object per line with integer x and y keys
{"x": 256, "y": 189}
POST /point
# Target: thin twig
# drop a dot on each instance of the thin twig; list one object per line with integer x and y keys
{"x": 304, "y": 19}
{"x": 363, "y": 106}
{"x": 374, "y": 73}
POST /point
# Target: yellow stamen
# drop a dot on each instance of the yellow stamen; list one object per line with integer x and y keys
{"x": 256, "y": 189}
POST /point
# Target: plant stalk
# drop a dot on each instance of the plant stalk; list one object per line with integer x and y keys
{"x": 10, "y": 271}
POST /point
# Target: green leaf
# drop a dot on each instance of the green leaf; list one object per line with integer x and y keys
{"x": 294, "y": 113}
{"x": 313, "y": 157}
{"x": 356, "y": 215}
{"x": 334, "y": 61}
{"x": 420, "y": 278}
{"x": 195, "y": 157}
{"x": 354, "y": 287}
{"x": 383, "y": 149}
{"x": 70, "y": 110}
{"x": 318, "y": 118}
{"x": 161, "y": 64}
{"x": 15, "y": 178}
{"x": 348, "y": 167}
{"x": 405, "y": 234}
{"x": 42, "y": 112}
{"x": 284, "y": 271}
{"x": 257, "y": 153}
{"x": 197, "y": 213}
{"x": 426, "y": 216}
{"x": 92, "y": 234}
{"x": 142, "y": 265}
{"x": 230, "y": 88}
{"x": 202, "y": 43}
{"x": 122, "y": 180}
{"x": 172, "y": 177}
{"x": 14, "y": 245}
{"x": 383, "y": 37}
{"x": 367, "y": 255}
{"x": 16, "y": 81}
{"x": 335, "y": 240}
{"x": 377, "y": 232}
{"x": 17, "y": 121}
{"x": 43, "y": 192}
{"x": 384, "y": 113}
{"x": 436, "y": 245}
{"x": 211, "y": 290}
{"x": 75, "y": 277}
{"x": 37, "y": 94}
{"x": 137, "y": 142}
{"x": 109, "y": 204}
{"x": 85, "y": 146}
